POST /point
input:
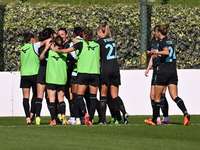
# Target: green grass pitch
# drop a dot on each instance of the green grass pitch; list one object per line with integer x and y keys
{"x": 15, "y": 135}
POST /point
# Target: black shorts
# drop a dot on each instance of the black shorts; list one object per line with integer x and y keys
{"x": 153, "y": 76}
{"x": 28, "y": 81}
{"x": 74, "y": 80}
{"x": 41, "y": 77}
{"x": 165, "y": 79}
{"x": 88, "y": 79}
{"x": 110, "y": 78}
{"x": 56, "y": 87}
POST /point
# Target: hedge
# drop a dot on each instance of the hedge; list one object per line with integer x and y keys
{"x": 123, "y": 19}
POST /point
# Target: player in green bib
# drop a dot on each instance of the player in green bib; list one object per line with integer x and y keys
{"x": 29, "y": 70}
{"x": 56, "y": 79}
{"x": 88, "y": 69}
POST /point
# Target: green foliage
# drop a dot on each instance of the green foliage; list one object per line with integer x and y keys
{"x": 124, "y": 21}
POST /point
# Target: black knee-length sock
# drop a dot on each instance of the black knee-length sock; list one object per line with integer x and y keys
{"x": 164, "y": 106}
{"x": 181, "y": 105}
{"x": 81, "y": 104}
{"x": 93, "y": 105}
{"x": 26, "y": 107}
{"x": 118, "y": 101}
{"x": 52, "y": 110}
{"x": 62, "y": 106}
{"x": 38, "y": 108}
{"x": 156, "y": 110}
{"x": 103, "y": 101}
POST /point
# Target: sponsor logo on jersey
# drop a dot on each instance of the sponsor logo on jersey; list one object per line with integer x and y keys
{"x": 24, "y": 50}
{"x": 92, "y": 47}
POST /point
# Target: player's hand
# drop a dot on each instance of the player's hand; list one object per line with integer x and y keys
{"x": 55, "y": 49}
{"x": 75, "y": 41}
{"x": 150, "y": 52}
{"x": 146, "y": 73}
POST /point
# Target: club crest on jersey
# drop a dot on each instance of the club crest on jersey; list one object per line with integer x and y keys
{"x": 92, "y": 47}
{"x": 24, "y": 50}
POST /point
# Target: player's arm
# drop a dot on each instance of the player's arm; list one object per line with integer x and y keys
{"x": 42, "y": 43}
{"x": 149, "y": 66}
{"x": 55, "y": 49}
{"x": 164, "y": 52}
{"x": 42, "y": 56}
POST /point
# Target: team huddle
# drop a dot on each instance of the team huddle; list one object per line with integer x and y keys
{"x": 57, "y": 67}
{"x": 76, "y": 69}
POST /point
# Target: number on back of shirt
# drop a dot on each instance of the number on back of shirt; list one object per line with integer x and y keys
{"x": 172, "y": 54}
{"x": 111, "y": 47}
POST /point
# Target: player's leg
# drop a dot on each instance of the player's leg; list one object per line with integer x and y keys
{"x": 164, "y": 107}
{"x": 173, "y": 90}
{"x": 103, "y": 102}
{"x": 26, "y": 94}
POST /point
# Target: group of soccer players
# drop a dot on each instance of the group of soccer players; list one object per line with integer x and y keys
{"x": 163, "y": 60}
{"x": 59, "y": 67}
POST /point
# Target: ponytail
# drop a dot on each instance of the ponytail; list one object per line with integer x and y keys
{"x": 105, "y": 29}
{"x": 88, "y": 35}
{"x": 163, "y": 29}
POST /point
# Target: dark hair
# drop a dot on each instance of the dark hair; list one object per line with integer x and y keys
{"x": 28, "y": 36}
{"x": 46, "y": 33}
{"x": 78, "y": 31}
{"x": 59, "y": 41}
{"x": 154, "y": 29}
{"x": 63, "y": 29}
{"x": 163, "y": 29}
{"x": 105, "y": 29}
{"x": 88, "y": 35}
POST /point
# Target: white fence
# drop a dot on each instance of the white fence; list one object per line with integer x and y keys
{"x": 134, "y": 91}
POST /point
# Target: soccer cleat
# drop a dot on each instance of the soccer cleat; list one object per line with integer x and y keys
{"x": 77, "y": 122}
{"x": 87, "y": 117}
{"x": 116, "y": 122}
{"x": 38, "y": 120}
{"x": 32, "y": 118}
{"x": 71, "y": 120}
{"x": 60, "y": 117}
{"x": 149, "y": 122}
{"x": 159, "y": 122}
{"x": 126, "y": 119}
{"x": 102, "y": 123}
{"x": 28, "y": 121}
{"x": 90, "y": 123}
{"x": 112, "y": 121}
{"x": 64, "y": 121}
{"x": 53, "y": 122}
{"x": 165, "y": 122}
{"x": 187, "y": 120}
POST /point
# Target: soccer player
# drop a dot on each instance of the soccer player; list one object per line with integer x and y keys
{"x": 56, "y": 79}
{"x": 110, "y": 73}
{"x": 154, "y": 61}
{"x": 47, "y": 33}
{"x": 166, "y": 75}
{"x": 29, "y": 70}
{"x": 88, "y": 69}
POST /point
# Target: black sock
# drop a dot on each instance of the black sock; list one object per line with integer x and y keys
{"x": 181, "y": 105}
{"x": 118, "y": 101}
{"x": 26, "y": 107}
{"x": 152, "y": 103}
{"x": 103, "y": 101}
{"x": 47, "y": 101}
{"x": 81, "y": 104}
{"x": 118, "y": 115}
{"x": 74, "y": 106}
{"x": 52, "y": 110}
{"x": 93, "y": 105}
{"x": 38, "y": 107}
{"x": 156, "y": 110}
{"x": 164, "y": 106}
{"x": 62, "y": 108}
{"x": 33, "y": 104}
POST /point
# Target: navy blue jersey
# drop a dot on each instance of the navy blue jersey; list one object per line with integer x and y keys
{"x": 108, "y": 55}
{"x": 154, "y": 46}
{"x": 167, "y": 62}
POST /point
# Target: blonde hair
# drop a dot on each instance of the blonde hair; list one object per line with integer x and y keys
{"x": 105, "y": 29}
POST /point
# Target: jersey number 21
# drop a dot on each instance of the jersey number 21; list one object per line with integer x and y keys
{"x": 111, "y": 48}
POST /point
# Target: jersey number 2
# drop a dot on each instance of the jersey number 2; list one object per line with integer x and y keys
{"x": 111, "y": 47}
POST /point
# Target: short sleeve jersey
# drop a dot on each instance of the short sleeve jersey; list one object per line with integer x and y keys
{"x": 154, "y": 46}
{"x": 167, "y": 62}
{"x": 108, "y": 55}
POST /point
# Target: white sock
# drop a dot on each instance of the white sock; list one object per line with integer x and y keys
{"x": 165, "y": 118}
{"x": 158, "y": 119}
